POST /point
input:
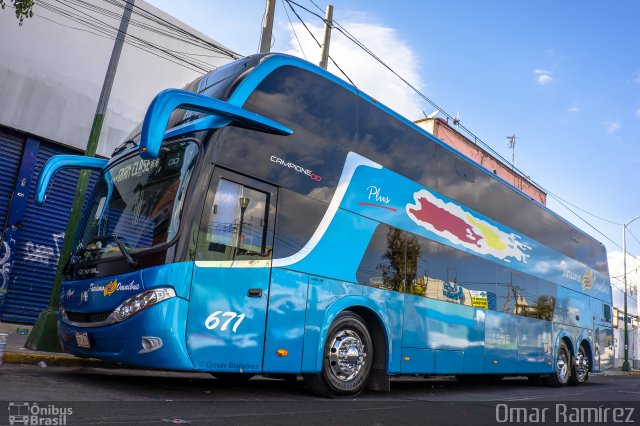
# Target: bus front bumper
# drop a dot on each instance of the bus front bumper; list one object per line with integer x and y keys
{"x": 153, "y": 338}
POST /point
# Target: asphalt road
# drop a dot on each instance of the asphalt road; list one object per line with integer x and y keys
{"x": 106, "y": 396}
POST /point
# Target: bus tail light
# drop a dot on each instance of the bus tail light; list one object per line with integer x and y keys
{"x": 142, "y": 301}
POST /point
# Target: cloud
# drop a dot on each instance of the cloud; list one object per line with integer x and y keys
{"x": 367, "y": 74}
{"x": 543, "y": 77}
{"x": 612, "y": 126}
{"x": 574, "y": 109}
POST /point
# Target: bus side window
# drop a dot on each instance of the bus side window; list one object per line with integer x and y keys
{"x": 384, "y": 262}
{"x": 606, "y": 312}
{"x": 234, "y": 226}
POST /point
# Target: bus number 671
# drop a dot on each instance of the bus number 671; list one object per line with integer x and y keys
{"x": 213, "y": 321}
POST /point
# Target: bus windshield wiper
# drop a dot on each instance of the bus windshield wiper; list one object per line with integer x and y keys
{"x": 132, "y": 262}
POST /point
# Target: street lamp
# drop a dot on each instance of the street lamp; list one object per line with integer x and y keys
{"x": 625, "y": 364}
{"x": 244, "y": 203}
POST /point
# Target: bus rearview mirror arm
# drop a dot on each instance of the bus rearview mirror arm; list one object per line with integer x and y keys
{"x": 59, "y": 162}
{"x": 157, "y": 117}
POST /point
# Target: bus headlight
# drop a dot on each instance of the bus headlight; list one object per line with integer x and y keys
{"x": 142, "y": 301}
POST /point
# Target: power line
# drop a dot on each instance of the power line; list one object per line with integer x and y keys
{"x": 634, "y": 237}
{"x": 316, "y": 40}
{"x": 294, "y": 30}
{"x": 159, "y": 19}
{"x": 628, "y": 272}
{"x": 587, "y": 222}
{"x": 584, "y": 211}
{"x": 104, "y": 33}
{"x": 74, "y": 14}
{"x": 170, "y": 33}
{"x": 194, "y": 62}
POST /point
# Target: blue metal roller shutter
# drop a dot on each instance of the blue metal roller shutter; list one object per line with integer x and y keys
{"x": 40, "y": 241}
{"x": 10, "y": 155}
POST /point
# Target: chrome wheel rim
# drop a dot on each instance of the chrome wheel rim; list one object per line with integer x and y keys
{"x": 582, "y": 366}
{"x": 346, "y": 355}
{"x": 562, "y": 366}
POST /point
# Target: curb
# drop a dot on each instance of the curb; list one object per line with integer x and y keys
{"x": 56, "y": 360}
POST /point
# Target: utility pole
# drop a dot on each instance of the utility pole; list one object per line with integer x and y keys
{"x": 44, "y": 335}
{"x": 267, "y": 26}
{"x": 328, "y": 24}
{"x": 511, "y": 140}
{"x": 625, "y": 363}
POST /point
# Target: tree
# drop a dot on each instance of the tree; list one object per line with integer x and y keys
{"x": 24, "y": 9}
{"x": 401, "y": 259}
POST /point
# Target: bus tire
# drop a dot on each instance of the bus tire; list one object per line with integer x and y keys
{"x": 347, "y": 358}
{"x": 580, "y": 367}
{"x": 562, "y": 368}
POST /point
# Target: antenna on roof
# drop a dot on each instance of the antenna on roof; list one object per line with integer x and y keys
{"x": 433, "y": 114}
{"x": 511, "y": 140}
{"x": 456, "y": 120}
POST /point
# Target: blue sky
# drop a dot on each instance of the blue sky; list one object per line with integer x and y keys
{"x": 563, "y": 76}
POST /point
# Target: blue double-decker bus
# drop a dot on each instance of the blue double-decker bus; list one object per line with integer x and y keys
{"x": 271, "y": 218}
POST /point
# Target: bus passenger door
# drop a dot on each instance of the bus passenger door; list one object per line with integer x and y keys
{"x": 230, "y": 287}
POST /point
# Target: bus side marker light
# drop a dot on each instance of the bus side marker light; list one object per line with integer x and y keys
{"x": 282, "y": 352}
{"x": 406, "y": 358}
{"x": 495, "y": 361}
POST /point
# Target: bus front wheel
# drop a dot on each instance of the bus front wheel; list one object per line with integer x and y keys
{"x": 347, "y": 358}
{"x": 562, "y": 373}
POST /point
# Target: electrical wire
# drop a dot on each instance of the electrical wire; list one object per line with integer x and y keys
{"x": 68, "y": 10}
{"x": 628, "y": 272}
{"x": 634, "y": 237}
{"x": 230, "y": 53}
{"x": 622, "y": 290}
{"x": 316, "y": 40}
{"x": 101, "y": 32}
{"x": 294, "y": 30}
{"x": 589, "y": 213}
{"x": 162, "y": 29}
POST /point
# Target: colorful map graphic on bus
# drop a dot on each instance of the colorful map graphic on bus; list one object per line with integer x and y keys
{"x": 450, "y": 221}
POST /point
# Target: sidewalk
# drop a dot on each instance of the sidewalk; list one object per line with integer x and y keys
{"x": 16, "y": 353}
{"x": 618, "y": 372}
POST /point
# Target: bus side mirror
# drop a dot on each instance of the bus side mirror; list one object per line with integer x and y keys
{"x": 59, "y": 162}
{"x": 220, "y": 114}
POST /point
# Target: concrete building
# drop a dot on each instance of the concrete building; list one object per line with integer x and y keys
{"x": 51, "y": 75}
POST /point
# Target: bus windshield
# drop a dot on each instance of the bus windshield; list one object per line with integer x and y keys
{"x": 136, "y": 204}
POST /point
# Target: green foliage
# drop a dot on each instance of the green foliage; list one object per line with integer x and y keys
{"x": 24, "y": 9}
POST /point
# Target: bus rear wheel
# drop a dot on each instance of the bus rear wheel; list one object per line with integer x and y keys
{"x": 562, "y": 368}
{"x": 347, "y": 358}
{"x": 580, "y": 367}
